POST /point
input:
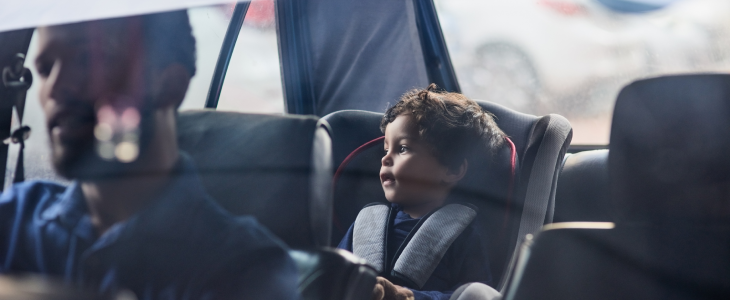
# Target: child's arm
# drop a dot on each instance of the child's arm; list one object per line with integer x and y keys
{"x": 346, "y": 242}
{"x": 431, "y": 295}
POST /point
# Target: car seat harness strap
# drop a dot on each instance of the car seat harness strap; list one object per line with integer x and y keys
{"x": 424, "y": 249}
{"x": 369, "y": 235}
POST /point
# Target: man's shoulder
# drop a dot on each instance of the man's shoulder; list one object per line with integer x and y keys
{"x": 248, "y": 229}
{"x": 31, "y": 193}
{"x": 213, "y": 223}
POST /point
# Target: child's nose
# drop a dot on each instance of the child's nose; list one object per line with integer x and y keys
{"x": 387, "y": 161}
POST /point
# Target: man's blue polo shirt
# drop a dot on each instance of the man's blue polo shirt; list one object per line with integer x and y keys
{"x": 182, "y": 246}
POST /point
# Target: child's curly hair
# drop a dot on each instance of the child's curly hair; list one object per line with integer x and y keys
{"x": 451, "y": 123}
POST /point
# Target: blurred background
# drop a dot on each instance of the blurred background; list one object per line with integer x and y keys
{"x": 571, "y": 57}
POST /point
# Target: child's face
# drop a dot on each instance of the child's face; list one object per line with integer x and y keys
{"x": 409, "y": 173}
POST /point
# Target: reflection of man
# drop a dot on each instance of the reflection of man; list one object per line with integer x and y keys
{"x": 136, "y": 217}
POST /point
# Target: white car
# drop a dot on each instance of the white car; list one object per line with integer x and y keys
{"x": 514, "y": 52}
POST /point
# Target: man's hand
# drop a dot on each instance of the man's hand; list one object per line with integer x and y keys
{"x": 385, "y": 290}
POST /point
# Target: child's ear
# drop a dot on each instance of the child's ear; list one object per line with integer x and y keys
{"x": 454, "y": 175}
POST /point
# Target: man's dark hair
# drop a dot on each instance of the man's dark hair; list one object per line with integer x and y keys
{"x": 452, "y": 124}
{"x": 169, "y": 39}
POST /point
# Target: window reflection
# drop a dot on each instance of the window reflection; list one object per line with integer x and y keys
{"x": 253, "y": 80}
{"x": 209, "y": 28}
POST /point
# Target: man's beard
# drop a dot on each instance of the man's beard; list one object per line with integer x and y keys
{"x": 81, "y": 160}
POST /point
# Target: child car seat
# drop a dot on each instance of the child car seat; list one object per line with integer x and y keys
{"x": 514, "y": 191}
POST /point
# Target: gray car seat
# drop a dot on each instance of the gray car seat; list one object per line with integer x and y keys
{"x": 512, "y": 202}
{"x": 669, "y": 176}
{"x": 278, "y": 169}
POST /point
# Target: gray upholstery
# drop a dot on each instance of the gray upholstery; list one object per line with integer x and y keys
{"x": 276, "y": 168}
{"x": 555, "y": 134}
{"x": 582, "y": 192}
{"x": 368, "y": 237}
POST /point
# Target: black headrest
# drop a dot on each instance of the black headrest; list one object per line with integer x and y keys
{"x": 582, "y": 193}
{"x": 669, "y": 149}
{"x": 276, "y": 168}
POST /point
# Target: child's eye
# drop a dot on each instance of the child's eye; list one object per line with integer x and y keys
{"x": 403, "y": 149}
{"x": 385, "y": 151}
{"x": 44, "y": 68}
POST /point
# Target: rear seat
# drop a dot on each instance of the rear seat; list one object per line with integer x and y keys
{"x": 582, "y": 192}
{"x": 540, "y": 144}
{"x": 278, "y": 169}
{"x": 669, "y": 175}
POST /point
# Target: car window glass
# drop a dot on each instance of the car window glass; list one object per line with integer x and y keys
{"x": 253, "y": 78}
{"x": 572, "y": 57}
{"x": 209, "y": 27}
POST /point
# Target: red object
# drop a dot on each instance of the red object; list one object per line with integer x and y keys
{"x": 260, "y": 13}
{"x": 510, "y": 191}
{"x": 563, "y": 7}
{"x": 351, "y": 156}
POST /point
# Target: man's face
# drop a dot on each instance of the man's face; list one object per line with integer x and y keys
{"x": 85, "y": 69}
{"x": 410, "y": 174}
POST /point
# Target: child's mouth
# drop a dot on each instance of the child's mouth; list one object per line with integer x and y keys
{"x": 387, "y": 179}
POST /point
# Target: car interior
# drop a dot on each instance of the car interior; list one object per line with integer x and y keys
{"x": 639, "y": 214}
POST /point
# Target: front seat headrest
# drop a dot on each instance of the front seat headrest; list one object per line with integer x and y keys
{"x": 669, "y": 157}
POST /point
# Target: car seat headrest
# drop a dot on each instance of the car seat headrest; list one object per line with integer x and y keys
{"x": 668, "y": 157}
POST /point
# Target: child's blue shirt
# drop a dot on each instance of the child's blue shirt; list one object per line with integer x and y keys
{"x": 465, "y": 261}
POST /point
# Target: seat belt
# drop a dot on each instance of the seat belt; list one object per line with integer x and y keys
{"x": 422, "y": 250}
{"x": 17, "y": 79}
{"x": 541, "y": 186}
{"x": 429, "y": 243}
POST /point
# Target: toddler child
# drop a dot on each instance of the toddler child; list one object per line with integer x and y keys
{"x": 425, "y": 244}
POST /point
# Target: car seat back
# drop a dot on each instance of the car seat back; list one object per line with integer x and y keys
{"x": 582, "y": 192}
{"x": 668, "y": 158}
{"x": 498, "y": 187}
{"x": 626, "y": 262}
{"x": 276, "y": 168}
{"x": 668, "y": 180}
